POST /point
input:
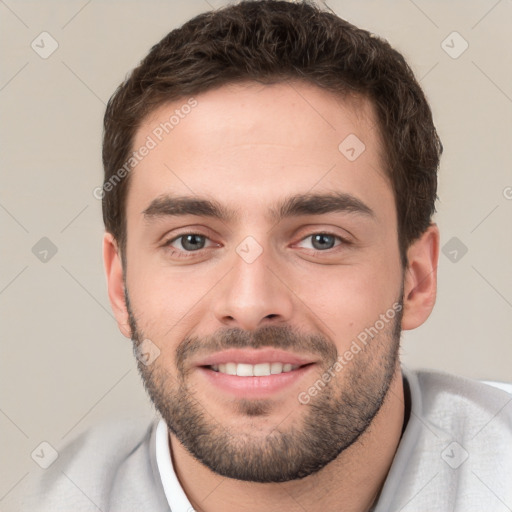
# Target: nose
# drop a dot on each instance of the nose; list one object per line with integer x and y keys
{"x": 253, "y": 294}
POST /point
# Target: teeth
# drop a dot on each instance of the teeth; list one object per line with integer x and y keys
{"x": 244, "y": 370}
{"x": 276, "y": 368}
{"x": 231, "y": 368}
{"x": 253, "y": 370}
{"x": 261, "y": 370}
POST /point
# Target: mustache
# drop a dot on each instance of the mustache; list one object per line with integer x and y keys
{"x": 280, "y": 337}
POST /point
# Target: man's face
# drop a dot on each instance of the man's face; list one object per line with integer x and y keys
{"x": 288, "y": 254}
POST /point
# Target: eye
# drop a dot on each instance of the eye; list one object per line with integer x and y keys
{"x": 321, "y": 241}
{"x": 188, "y": 242}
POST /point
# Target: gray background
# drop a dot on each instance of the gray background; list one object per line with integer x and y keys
{"x": 64, "y": 365}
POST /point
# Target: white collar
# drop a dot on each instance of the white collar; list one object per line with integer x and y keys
{"x": 176, "y": 497}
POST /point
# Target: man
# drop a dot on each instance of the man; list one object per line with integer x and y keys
{"x": 270, "y": 180}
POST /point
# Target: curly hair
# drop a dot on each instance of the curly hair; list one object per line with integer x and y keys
{"x": 271, "y": 41}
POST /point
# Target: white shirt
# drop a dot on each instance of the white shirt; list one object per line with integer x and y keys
{"x": 455, "y": 455}
{"x": 451, "y": 455}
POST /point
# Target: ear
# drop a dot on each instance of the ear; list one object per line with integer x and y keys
{"x": 420, "y": 284}
{"x": 115, "y": 284}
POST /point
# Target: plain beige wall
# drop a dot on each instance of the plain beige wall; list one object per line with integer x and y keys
{"x": 64, "y": 365}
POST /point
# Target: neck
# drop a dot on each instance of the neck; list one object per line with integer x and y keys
{"x": 354, "y": 479}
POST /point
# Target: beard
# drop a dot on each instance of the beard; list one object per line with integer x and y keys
{"x": 331, "y": 422}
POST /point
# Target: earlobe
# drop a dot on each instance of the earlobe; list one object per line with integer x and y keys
{"x": 115, "y": 284}
{"x": 420, "y": 284}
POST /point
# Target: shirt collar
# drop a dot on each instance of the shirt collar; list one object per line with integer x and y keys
{"x": 176, "y": 497}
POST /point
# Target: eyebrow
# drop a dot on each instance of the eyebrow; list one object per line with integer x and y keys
{"x": 168, "y": 205}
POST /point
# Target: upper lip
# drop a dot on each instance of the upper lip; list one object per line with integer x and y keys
{"x": 254, "y": 356}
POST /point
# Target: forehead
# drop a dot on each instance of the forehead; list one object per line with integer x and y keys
{"x": 246, "y": 143}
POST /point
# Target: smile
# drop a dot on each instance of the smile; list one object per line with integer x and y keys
{"x": 253, "y": 370}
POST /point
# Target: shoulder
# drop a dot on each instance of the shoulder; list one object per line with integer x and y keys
{"x": 459, "y": 404}
{"x": 88, "y": 467}
{"x": 456, "y": 450}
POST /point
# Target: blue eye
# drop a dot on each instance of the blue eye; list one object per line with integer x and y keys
{"x": 189, "y": 242}
{"x": 186, "y": 244}
{"x": 321, "y": 241}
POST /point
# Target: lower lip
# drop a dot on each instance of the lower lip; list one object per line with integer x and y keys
{"x": 254, "y": 387}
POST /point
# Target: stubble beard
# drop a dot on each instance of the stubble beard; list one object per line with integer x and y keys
{"x": 331, "y": 422}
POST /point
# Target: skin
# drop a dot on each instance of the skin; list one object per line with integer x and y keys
{"x": 249, "y": 147}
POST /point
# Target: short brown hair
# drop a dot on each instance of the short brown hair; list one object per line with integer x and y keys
{"x": 270, "y": 41}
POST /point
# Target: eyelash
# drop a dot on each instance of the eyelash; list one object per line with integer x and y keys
{"x": 188, "y": 254}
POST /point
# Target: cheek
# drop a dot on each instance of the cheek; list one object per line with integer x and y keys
{"x": 349, "y": 299}
{"x": 167, "y": 302}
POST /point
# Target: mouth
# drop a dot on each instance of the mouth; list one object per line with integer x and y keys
{"x": 254, "y": 373}
{"x": 254, "y": 370}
